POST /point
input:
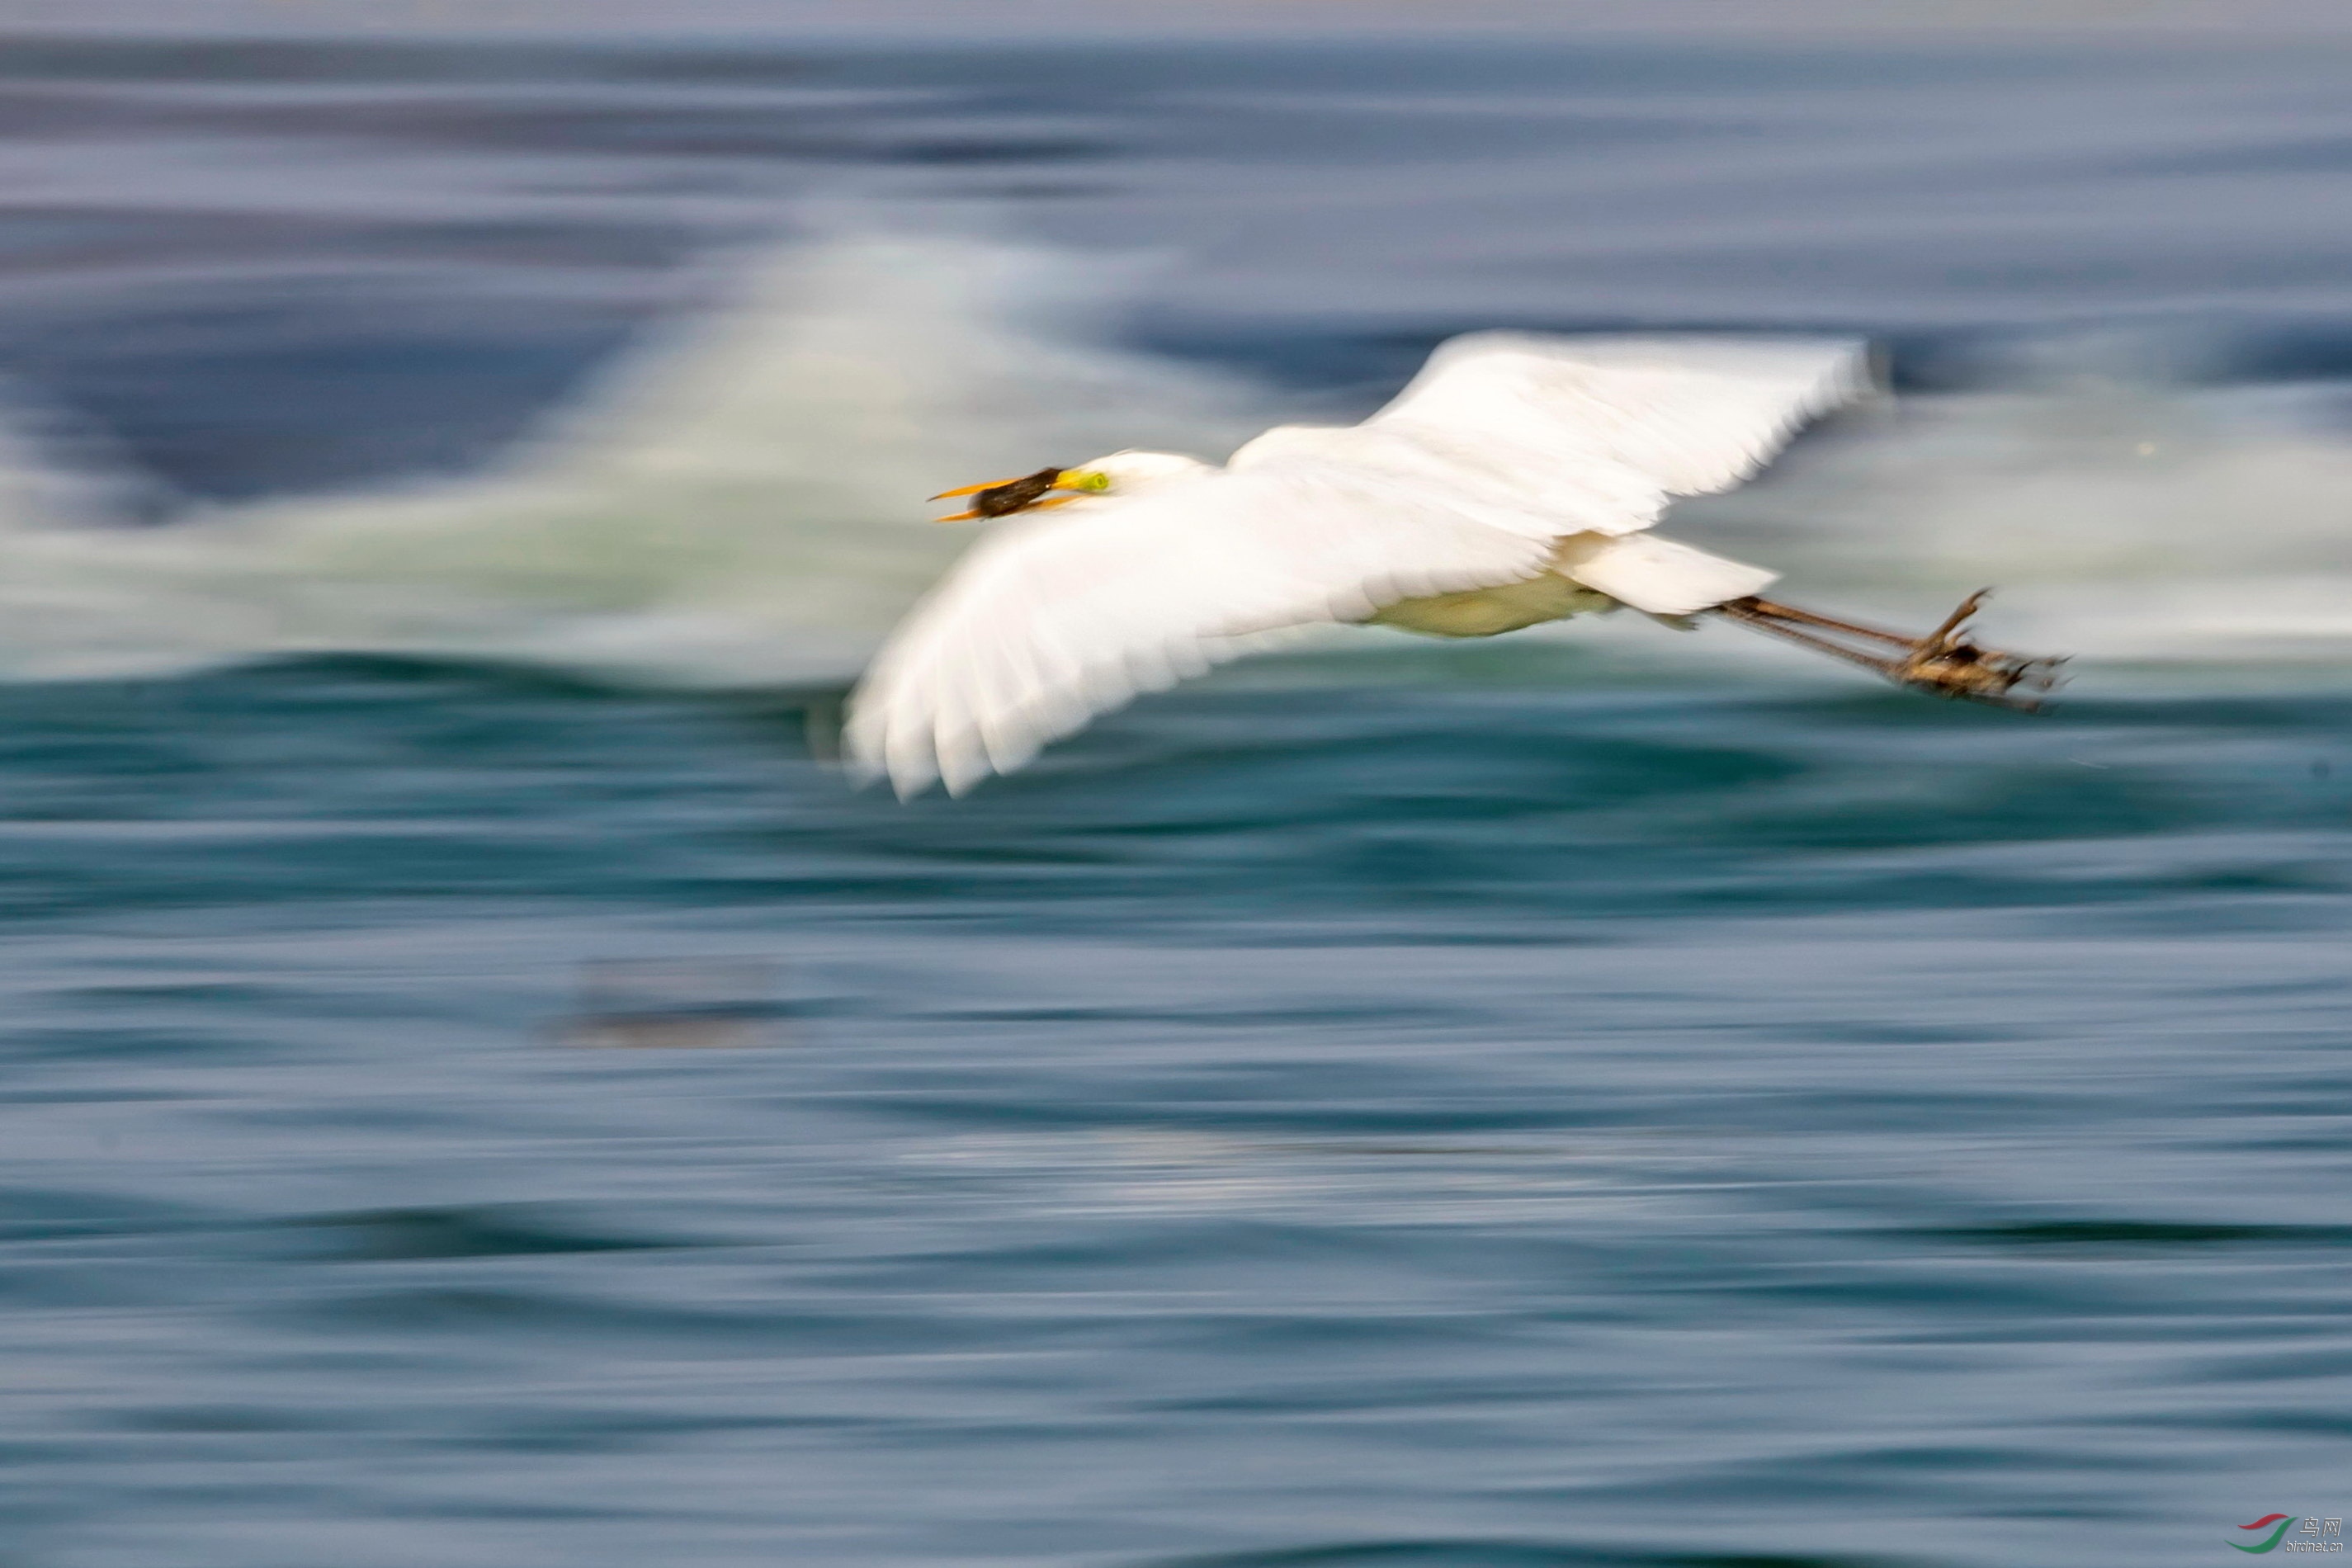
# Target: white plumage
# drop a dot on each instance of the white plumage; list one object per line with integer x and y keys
{"x": 1512, "y": 482}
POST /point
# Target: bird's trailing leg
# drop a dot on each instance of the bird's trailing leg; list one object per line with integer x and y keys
{"x": 1945, "y": 661}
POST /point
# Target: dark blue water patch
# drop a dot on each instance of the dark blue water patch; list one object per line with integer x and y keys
{"x": 303, "y": 387}
{"x": 121, "y": 1040}
{"x": 64, "y": 1214}
{"x": 499, "y": 1231}
{"x": 2075, "y": 1234}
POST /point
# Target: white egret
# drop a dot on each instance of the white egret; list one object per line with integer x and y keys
{"x": 1514, "y": 482}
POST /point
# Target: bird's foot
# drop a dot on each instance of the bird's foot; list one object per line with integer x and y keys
{"x": 1945, "y": 662}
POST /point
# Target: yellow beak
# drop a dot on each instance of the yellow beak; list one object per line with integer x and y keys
{"x": 974, "y": 490}
{"x": 967, "y": 491}
{"x": 1067, "y": 479}
{"x": 1033, "y": 506}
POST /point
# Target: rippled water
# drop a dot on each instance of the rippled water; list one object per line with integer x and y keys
{"x": 477, "y": 1089}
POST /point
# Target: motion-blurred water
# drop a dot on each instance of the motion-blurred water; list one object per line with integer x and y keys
{"x": 1598, "y": 1098}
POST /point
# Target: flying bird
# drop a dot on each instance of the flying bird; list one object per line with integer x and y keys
{"x": 1514, "y": 480}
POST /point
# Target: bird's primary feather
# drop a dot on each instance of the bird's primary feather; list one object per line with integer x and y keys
{"x": 1552, "y": 437}
{"x": 1506, "y": 450}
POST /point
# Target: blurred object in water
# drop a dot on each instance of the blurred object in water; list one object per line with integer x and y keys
{"x": 676, "y": 1003}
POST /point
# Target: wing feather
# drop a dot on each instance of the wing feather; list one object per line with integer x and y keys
{"x": 1557, "y": 436}
{"x": 1058, "y": 617}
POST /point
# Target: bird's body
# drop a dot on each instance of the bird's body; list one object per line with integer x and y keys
{"x": 1491, "y": 612}
{"x": 1516, "y": 480}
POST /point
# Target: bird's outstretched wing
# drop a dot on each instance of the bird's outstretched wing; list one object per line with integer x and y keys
{"x": 1503, "y": 445}
{"x": 1557, "y": 436}
{"x": 1058, "y": 617}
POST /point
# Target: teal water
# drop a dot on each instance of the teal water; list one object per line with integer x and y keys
{"x": 1325, "y": 1124}
{"x": 489, "y": 1094}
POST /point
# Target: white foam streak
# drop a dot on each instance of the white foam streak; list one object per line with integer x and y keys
{"x": 741, "y": 501}
{"x": 2122, "y": 523}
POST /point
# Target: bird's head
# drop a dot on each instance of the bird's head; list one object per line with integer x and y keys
{"x": 1120, "y": 473}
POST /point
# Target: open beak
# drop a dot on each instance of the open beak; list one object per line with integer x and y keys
{"x": 970, "y": 491}
{"x": 1002, "y": 498}
{"x": 975, "y": 489}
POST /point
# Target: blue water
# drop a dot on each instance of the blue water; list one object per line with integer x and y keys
{"x": 1571, "y": 1102}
